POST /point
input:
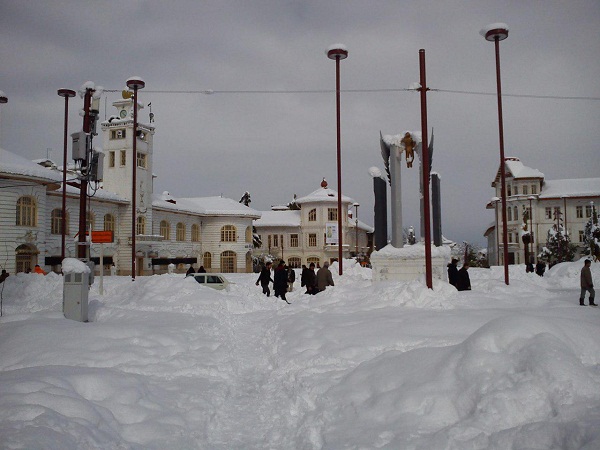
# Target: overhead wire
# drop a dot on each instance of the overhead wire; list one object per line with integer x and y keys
{"x": 327, "y": 91}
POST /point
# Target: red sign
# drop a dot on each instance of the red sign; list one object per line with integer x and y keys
{"x": 102, "y": 237}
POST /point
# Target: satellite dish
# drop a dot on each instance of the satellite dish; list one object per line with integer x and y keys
{"x": 126, "y": 94}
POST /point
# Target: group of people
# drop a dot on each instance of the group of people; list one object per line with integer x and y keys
{"x": 459, "y": 278}
{"x": 284, "y": 278}
{"x": 191, "y": 270}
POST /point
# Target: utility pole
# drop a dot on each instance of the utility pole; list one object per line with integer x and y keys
{"x": 82, "y": 242}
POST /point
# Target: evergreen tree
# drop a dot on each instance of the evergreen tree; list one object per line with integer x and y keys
{"x": 558, "y": 247}
{"x": 591, "y": 236}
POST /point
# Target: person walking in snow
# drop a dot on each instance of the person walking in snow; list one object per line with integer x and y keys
{"x": 324, "y": 277}
{"x": 280, "y": 282}
{"x": 452, "y": 272}
{"x": 587, "y": 283}
{"x": 463, "y": 282}
{"x": 540, "y": 268}
{"x": 291, "y": 278}
{"x": 264, "y": 278}
{"x": 310, "y": 279}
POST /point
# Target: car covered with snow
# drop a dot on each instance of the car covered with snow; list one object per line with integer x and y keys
{"x": 212, "y": 280}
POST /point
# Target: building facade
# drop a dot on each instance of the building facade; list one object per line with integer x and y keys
{"x": 214, "y": 232}
{"x": 536, "y": 204}
{"x": 309, "y": 234}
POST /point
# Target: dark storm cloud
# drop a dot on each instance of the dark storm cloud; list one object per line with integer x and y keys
{"x": 275, "y": 145}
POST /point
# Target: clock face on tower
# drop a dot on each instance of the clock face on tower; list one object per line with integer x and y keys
{"x": 123, "y": 114}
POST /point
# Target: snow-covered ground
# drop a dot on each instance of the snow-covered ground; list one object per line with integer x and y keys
{"x": 168, "y": 364}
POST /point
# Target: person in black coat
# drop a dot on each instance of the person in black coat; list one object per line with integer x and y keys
{"x": 190, "y": 271}
{"x": 452, "y": 272}
{"x": 201, "y": 269}
{"x": 280, "y": 283}
{"x": 540, "y": 268}
{"x": 264, "y": 278}
{"x": 310, "y": 280}
{"x": 463, "y": 282}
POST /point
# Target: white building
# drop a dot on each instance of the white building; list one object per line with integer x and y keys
{"x": 309, "y": 234}
{"x": 529, "y": 195}
{"x": 211, "y": 231}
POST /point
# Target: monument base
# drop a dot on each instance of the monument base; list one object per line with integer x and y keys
{"x": 408, "y": 263}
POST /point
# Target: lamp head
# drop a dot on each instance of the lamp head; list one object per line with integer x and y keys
{"x": 337, "y": 51}
{"x": 135, "y": 83}
{"x": 66, "y": 93}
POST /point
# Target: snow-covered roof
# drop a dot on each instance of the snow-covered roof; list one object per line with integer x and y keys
{"x": 287, "y": 218}
{"x": 205, "y": 206}
{"x": 361, "y": 226}
{"x": 323, "y": 194}
{"x": 576, "y": 187}
{"x": 519, "y": 170}
{"x": 13, "y": 164}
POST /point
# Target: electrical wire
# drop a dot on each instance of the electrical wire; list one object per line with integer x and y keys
{"x": 327, "y": 91}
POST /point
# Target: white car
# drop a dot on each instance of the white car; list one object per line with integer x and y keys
{"x": 212, "y": 280}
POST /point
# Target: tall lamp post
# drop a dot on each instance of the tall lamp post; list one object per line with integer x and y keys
{"x": 66, "y": 94}
{"x": 134, "y": 83}
{"x": 426, "y": 166}
{"x": 498, "y": 32}
{"x": 531, "y": 199}
{"x": 356, "y": 205}
{"x": 338, "y": 52}
{"x": 3, "y": 100}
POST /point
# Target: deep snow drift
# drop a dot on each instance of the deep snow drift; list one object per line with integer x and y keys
{"x": 167, "y": 363}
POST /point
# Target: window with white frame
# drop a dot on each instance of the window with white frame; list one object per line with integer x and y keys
{"x": 579, "y": 212}
{"x": 548, "y": 213}
{"x": 195, "y": 232}
{"x": 312, "y": 240}
{"x": 293, "y": 240}
{"x": 228, "y": 233}
{"x": 141, "y": 160}
{"x": 123, "y": 161}
{"x": 26, "y": 212}
{"x": 165, "y": 230}
{"x": 332, "y": 214}
{"x": 180, "y": 231}
{"x": 312, "y": 215}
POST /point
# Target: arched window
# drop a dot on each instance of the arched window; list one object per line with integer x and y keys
{"x": 26, "y": 212}
{"x": 56, "y": 222}
{"x": 294, "y": 262}
{"x": 248, "y": 234}
{"x": 516, "y": 213}
{"x": 312, "y": 259}
{"x": 109, "y": 222}
{"x": 207, "y": 260}
{"x": 195, "y": 233}
{"x": 312, "y": 215}
{"x": 89, "y": 220}
{"x": 165, "y": 230}
{"x": 509, "y": 213}
{"x": 228, "y": 233}
{"x": 140, "y": 225}
{"x": 180, "y": 231}
{"x": 228, "y": 260}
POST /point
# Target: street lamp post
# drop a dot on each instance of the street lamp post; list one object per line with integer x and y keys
{"x": 338, "y": 52}
{"x": 66, "y": 94}
{"x": 531, "y": 236}
{"x": 3, "y": 100}
{"x": 426, "y": 166}
{"x": 134, "y": 83}
{"x": 356, "y": 205}
{"x": 498, "y": 32}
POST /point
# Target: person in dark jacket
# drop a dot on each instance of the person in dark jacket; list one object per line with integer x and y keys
{"x": 463, "y": 282}
{"x": 4, "y": 275}
{"x": 190, "y": 271}
{"x": 324, "y": 277}
{"x": 310, "y": 280}
{"x": 264, "y": 278}
{"x": 201, "y": 269}
{"x": 291, "y": 278}
{"x": 280, "y": 282}
{"x": 540, "y": 268}
{"x": 586, "y": 283}
{"x": 452, "y": 272}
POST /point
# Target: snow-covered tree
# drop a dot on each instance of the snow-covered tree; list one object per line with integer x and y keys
{"x": 246, "y": 199}
{"x": 558, "y": 247}
{"x": 591, "y": 236}
{"x": 474, "y": 255}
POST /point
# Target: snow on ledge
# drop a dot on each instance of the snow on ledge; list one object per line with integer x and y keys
{"x": 416, "y": 251}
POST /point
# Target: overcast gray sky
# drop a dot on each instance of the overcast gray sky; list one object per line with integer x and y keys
{"x": 278, "y": 145}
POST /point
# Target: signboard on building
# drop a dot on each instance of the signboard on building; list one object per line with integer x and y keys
{"x": 102, "y": 237}
{"x": 331, "y": 233}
